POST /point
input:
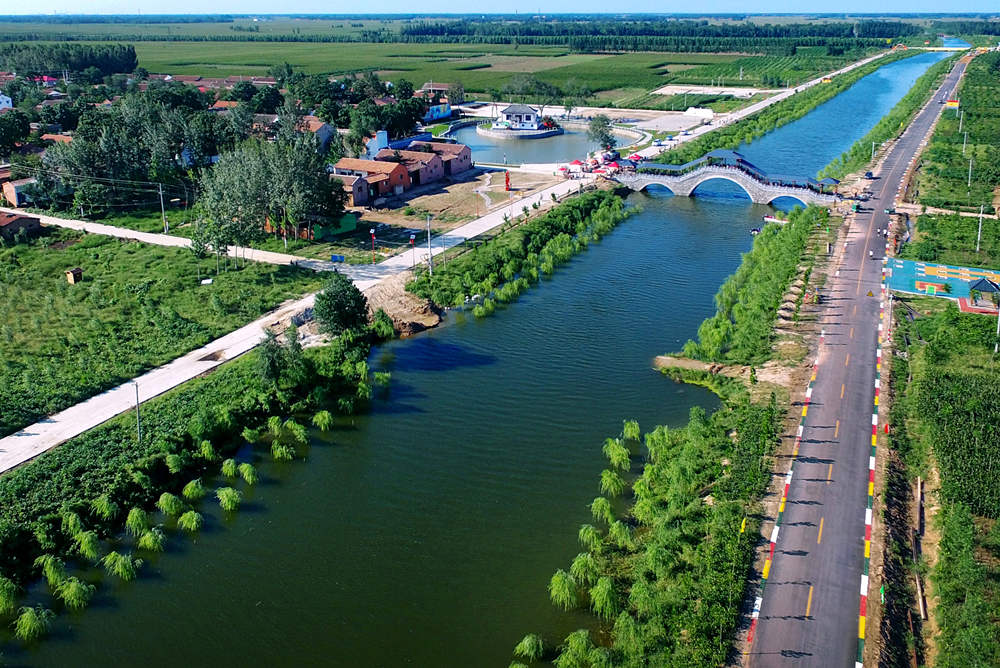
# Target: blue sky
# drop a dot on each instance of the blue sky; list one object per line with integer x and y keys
{"x": 533, "y": 6}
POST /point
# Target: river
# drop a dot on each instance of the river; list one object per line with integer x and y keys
{"x": 571, "y": 145}
{"x": 425, "y": 533}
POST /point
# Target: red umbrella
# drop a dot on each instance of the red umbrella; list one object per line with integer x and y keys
{"x": 562, "y": 168}
{"x": 635, "y": 156}
{"x": 612, "y": 164}
{"x": 576, "y": 162}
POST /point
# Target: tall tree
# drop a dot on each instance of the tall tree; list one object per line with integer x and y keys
{"x": 340, "y": 306}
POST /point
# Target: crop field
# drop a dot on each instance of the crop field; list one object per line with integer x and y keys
{"x": 766, "y": 71}
{"x": 943, "y": 179}
{"x": 138, "y": 306}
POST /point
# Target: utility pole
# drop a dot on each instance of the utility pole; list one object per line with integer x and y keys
{"x": 970, "y": 173}
{"x": 430, "y": 255}
{"x": 961, "y": 118}
{"x": 965, "y": 140}
{"x": 138, "y": 428}
{"x": 979, "y": 235}
{"x": 163, "y": 211}
{"x": 873, "y": 151}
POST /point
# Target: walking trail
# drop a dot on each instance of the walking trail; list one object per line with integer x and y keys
{"x": 60, "y": 427}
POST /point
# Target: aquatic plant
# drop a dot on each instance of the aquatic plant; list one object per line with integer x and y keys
{"x": 170, "y": 504}
{"x": 248, "y": 473}
{"x": 281, "y": 452}
{"x": 104, "y": 507}
{"x": 33, "y": 623}
{"x": 174, "y": 462}
{"x": 75, "y": 593}
{"x": 531, "y": 647}
{"x": 611, "y": 483}
{"x": 600, "y": 508}
{"x": 52, "y": 568}
{"x": 137, "y": 521}
{"x": 123, "y": 566}
{"x": 71, "y": 523}
{"x": 190, "y": 521}
{"x": 229, "y": 468}
{"x": 584, "y": 568}
{"x": 630, "y": 430}
{"x": 152, "y": 540}
{"x": 194, "y": 490}
{"x": 251, "y": 435}
{"x": 617, "y": 454}
{"x": 603, "y": 598}
{"x": 8, "y": 596}
{"x": 323, "y": 420}
{"x": 590, "y": 537}
{"x": 562, "y": 590}
{"x": 207, "y": 451}
{"x": 88, "y": 544}
{"x": 229, "y": 498}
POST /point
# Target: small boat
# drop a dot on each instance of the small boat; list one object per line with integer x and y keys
{"x": 774, "y": 219}
{"x": 755, "y": 231}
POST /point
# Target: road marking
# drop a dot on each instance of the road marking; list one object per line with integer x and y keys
{"x": 836, "y": 429}
{"x": 819, "y": 538}
{"x": 809, "y": 601}
{"x": 855, "y": 311}
{"x": 847, "y": 360}
{"x": 851, "y": 335}
{"x": 842, "y": 390}
{"x": 829, "y": 474}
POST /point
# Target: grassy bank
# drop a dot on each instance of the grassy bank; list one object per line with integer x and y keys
{"x": 665, "y": 572}
{"x": 892, "y": 124}
{"x": 500, "y": 270}
{"x": 138, "y": 306}
{"x": 943, "y": 179}
{"x": 775, "y": 116}
{"x": 107, "y": 495}
{"x": 741, "y": 331}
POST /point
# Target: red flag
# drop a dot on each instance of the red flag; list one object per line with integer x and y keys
{"x": 506, "y": 180}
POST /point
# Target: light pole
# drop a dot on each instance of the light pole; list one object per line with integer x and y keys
{"x": 965, "y": 140}
{"x": 979, "y": 234}
{"x": 430, "y": 254}
{"x": 138, "y": 428}
{"x": 873, "y": 152}
{"x": 969, "y": 184}
{"x": 413, "y": 252}
{"x": 372, "y": 232}
{"x": 961, "y": 118}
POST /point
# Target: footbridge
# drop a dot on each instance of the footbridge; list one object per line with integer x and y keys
{"x": 763, "y": 188}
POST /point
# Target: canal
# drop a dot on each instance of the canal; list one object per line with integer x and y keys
{"x": 425, "y": 533}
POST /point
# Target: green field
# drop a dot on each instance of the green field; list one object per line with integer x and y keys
{"x": 138, "y": 306}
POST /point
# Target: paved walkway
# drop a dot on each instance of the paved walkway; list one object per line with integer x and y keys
{"x": 50, "y": 432}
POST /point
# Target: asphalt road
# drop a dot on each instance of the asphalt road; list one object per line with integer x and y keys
{"x": 810, "y": 612}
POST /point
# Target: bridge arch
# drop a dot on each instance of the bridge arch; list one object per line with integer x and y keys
{"x": 652, "y": 187}
{"x": 801, "y": 202}
{"x": 715, "y": 176}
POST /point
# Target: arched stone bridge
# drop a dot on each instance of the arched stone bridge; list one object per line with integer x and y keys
{"x": 762, "y": 188}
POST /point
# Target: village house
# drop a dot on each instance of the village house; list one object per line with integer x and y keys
{"x": 12, "y": 223}
{"x": 437, "y": 89}
{"x": 384, "y": 178}
{"x": 324, "y": 131}
{"x": 220, "y": 105}
{"x": 5, "y": 102}
{"x": 58, "y": 138}
{"x": 423, "y": 167}
{"x": 14, "y": 191}
{"x": 356, "y": 187}
{"x": 457, "y": 158}
{"x": 519, "y": 117}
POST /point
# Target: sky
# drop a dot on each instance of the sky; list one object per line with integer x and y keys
{"x": 532, "y": 6}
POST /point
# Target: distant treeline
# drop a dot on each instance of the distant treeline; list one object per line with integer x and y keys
{"x": 108, "y": 58}
{"x": 487, "y": 29}
{"x": 967, "y": 27}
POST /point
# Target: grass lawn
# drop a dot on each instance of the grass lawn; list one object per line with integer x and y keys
{"x": 138, "y": 306}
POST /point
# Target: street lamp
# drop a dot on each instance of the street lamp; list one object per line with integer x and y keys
{"x": 372, "y": 232}
{"x": 413, "y": 251}
{"x": 430, "y": 254}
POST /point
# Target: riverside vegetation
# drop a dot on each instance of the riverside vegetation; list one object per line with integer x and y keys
{"x": 104, "y": 496}
{"x": 512, "y": 262}
{"x": 892, "y": 124}
{"x": 786, "y": 111}
{"x": 138, "y": 306}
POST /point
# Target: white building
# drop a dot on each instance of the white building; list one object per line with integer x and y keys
{"x": 518, "y": 117}
{"x": 5, "y": 102}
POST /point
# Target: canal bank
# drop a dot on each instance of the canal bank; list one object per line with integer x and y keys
{"x": 425, "y": 533}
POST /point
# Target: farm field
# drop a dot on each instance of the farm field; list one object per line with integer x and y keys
{"x": 943, "y": 179}
{"x": 952, "y": 240}
{"x": 138, "y": 306}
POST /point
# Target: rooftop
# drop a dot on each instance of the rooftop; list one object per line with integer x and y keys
{"x": 371, "y": 166}
{"x": 519, "y": 109}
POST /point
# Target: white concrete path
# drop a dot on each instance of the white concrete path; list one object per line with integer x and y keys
{"x": 50, "y": 432}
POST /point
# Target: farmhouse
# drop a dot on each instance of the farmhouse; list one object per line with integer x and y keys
{"x": 384, "y": 178}
{"x": 356, "y": 187}
{"x": 13, "y": 191}
{"x": 520, "y": 117}
{"x": 457, "y": 158}
{"x": 12, "y": 223}
{"x": 422, "y": 167}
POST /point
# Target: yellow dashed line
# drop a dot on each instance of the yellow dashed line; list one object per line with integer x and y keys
{"x": 852, "y": 333}
{"x": 767, "y": 569}
{"x": 871, "y": 488}
{"x": 842, "y": 386}
{"x": 836, "y": 429}
{"x": 847, "y": 360}
{"x": 809, "y": 601}
{"x": 829, "y": 474}
{"x": 819, "y": 536}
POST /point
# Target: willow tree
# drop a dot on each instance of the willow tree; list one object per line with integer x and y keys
{"x": 191, "y": 521}
{"x": 249, "y": 473}
{"x": 52, "y": 568}
{"x": 600, "y": 508}
{"x": 32, "y": 623}
{"x": 612, "y": 483}
{"x": 104, "y": 507}
{"x": 75, "y": 593}
{"x": 585, "y": 568}
{"x": 229, "y": 468}
{"x": 562, "y": 590}
{"x": 71, "y": 523}
{"x": 194, "y": 490}
{"x": 123, "y": 566}
{"x": 137, "y": 521}
{"x": 153, "y": 540}
{"x": 590, "y": 537}
{"x": 8, "y": 596}
{"x": 530, "y": 648}
{"x": 88, "y": 544}
{"x": 617, "y": 454}
{"x": 170, "y": 504}
{"x": 604, "y": 598}
{"x": 229, "y": 498}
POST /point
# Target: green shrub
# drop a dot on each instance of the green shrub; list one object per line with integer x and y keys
{"x": 75, "y": 594}
{"x": 153, "y": 540}
{"x": 33, "y": 623}
{"x": 190, "y": 521}
{"x": 170, "y": 504}
{"x": 248, "y": 473}
{"x": 229, "y": 498}
{"x": 194, "y": 490}
{"x": 122, "y": 566}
